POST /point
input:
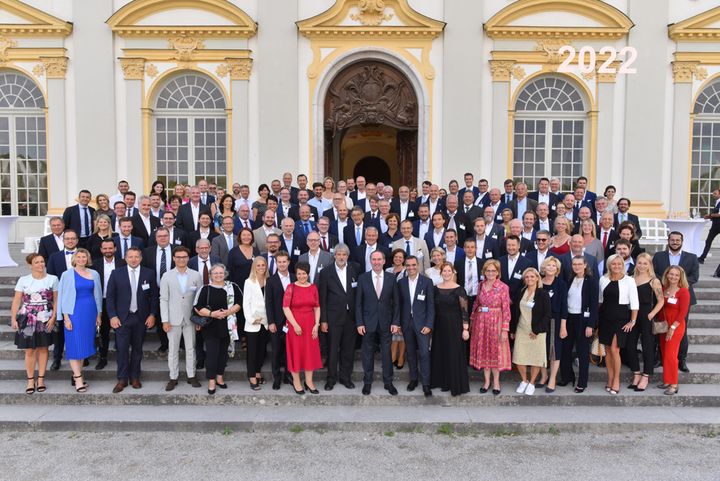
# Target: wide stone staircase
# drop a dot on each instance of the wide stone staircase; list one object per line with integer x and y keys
{"x": 695, "y": 408}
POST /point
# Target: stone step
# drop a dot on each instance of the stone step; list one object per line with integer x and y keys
{"x": 239, "y": 393}
{"x": 704, "y": 335}
{"x": 708, "y": 293}
{"x": 450, "y": 420}
{"x": 707, "y": 281}
{"x": 704, "y": 320}
{"x": 706, "y": 307}
{"x": 701, "y": 372}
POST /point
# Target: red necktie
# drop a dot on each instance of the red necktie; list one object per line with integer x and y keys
{"x": 605, "y": 240}
{"x": 324, "y": 244}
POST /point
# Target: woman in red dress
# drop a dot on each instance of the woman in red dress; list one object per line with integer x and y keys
{"x": 301, "y": 306}
{"x": 674, "y": 311}
{"x": 560, "y": 242}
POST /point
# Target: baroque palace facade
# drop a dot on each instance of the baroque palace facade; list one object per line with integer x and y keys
{"x": 625, "y": 92}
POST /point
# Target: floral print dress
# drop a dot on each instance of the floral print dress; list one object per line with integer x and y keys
{"x": 35, "y": 311}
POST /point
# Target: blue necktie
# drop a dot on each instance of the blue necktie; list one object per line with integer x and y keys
{"x": 307, "y": 227}
{"x": 407, "y": 248}
{"x": 125, "y": 246}
{"x": 86, "y": 216}
{"x": 69, "y": 253}
{"x": 358, "y": 235}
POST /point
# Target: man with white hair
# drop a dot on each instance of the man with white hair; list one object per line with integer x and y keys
{"x": 188, "y": 214}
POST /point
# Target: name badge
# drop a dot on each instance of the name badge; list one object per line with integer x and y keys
{"x": 517, "y": 275}
{"x": 193, "y": 288}
{"x": 586, "y": 314}
{"x": 530, "y": 304}
{"x": 145, "y": 286}
{"x": 551, "y": 293}
{"x": 411, "y": 214}
{"x": 461, "y": 226}
{"x": 296, "y": 252}
{"x": 484, "y": 309}
{"x": 419, "y": 254}
{"x": 319, "y": 269}
{"x": 353, "y": 285}
{"x": 285, "y": 329}
{"x": 332, "y": 249}
{"x": 672, "y": 300}
{"x": 177, "y": 242}
{"x": 498, "y": 217}
{"x": 488, "y": 255}
{"x": 390, "y": 245}
{"x": 554, "y": 207}
{"x": 421, "y": 297}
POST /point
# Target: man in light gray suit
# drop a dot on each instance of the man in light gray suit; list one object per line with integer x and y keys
{"x": 177, "y": 297}
{"x": 316, "y": 257}
{"x": 412, "y": 245}
{"x": 260, "y": 234}
{"x": 222, "y": 244}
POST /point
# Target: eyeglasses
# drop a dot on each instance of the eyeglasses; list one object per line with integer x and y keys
{"x": 182, "y": 257}
{"x": 541, "y": 240}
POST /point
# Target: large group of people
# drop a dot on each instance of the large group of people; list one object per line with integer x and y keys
{"x": 440, "y": 280}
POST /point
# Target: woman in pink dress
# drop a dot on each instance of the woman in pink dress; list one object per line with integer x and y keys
{"x": 490, "y": 323}
{"x": 301, "y": 306}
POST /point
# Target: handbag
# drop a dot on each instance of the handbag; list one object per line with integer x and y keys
{"x": 199, "y": 320}
{"x": 660, "y": 327}
{"x": 597, "y": 350}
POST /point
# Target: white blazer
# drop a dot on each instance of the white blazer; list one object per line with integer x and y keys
{"x": 254, "y": 306}
{"x": 627, "y": 288}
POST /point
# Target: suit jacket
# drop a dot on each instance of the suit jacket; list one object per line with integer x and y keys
{"x": 473, "y": 213}
{"x": 331, "y": 241}
{"x": 178, "y": 238}
{"x": 536, "y": 197}
{"x": 325, "y": 259}
{"x": 463, "y": 227}
{"x": 358, "y": 256}
{"x": 491, "y": 246}
{"x": 532, "y": 256}
{"x": 513, "y": 279}
{"x": 219, "y": 247}
{"x": 298, "y": 247}
{"x": 411, "y": 210}
{"x": 530, "y": 204}
{"x": 47, "y": 246}
{"x": 140, "y": 231}
{"x": 418, "y": 246}
{"x": 176, "y": 306}
{"x": 688, "y": 261}
{"x": 349, "y": 236}
{"x": 56, "y": 264}
{"x": 473, "y": 189}
{"x": 483, "y": 200}
{"x": 439, "y": 207}
{"x": 377, "y": 314}
{"x": 134, "y": 242}
{"x": 239, "y": 226}
{"x": 119, "y": 292}
{"x": 300, "y": 229}
{"x": 149, "y": 259}
{"x": 525, "y": 246}
{"x": 566, "y": 262}
{"x": 551, "y": 224}
{"x": 631, "y": 218}
{"x": 71, "y": 217}
{"x": 460, "y": 267}
{"x": 611, "y": 239}
{"x": 589, "y": 300}
{"x": 541, "y": 311}
{"x": 419, "y": 311}
{"x": 194, "y": 236}
{"x": 194, "y": 262}
{"x": 294, "y": 213}
{"x": 99, "y": 266}
{"x": 430, "y": 240}
{"x": 274, "y": 294}
{"x": 337, "y": 305}
{"x": 210, "y": 199}
{"x": 294, "y": 194}
{"x": 261, "y": 239}
{"x": 185, "y": 218}
{"x": 507, "y": 198}
{"x": 498, "y": 212}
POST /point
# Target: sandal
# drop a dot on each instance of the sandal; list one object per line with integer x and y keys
{"x": 82, "y": 388}
{"x": 579, "y": 390}
{"x": 260, "y": 379}
{"x": 40, "y": 388}
{"x": 634, "y": 385}
{"x": 643, "y": 376}
{"x": 671, "y": 390}
{"x": 30, "y": 390}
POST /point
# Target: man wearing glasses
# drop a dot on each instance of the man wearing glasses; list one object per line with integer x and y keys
{"x": 542, "y": 251}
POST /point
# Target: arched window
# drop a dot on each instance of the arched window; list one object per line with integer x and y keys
{"x": 549, "y": 132}
{"x": 705, "y": 175}
{"x": 23, "y": 153}
{"x": 190, "y": 131}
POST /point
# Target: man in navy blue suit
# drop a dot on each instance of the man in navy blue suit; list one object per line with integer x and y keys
{"x": 243, "y": 221}
{"x": 132, "y": 305}
{"x": 469, "y": 179}
{"x": 58, "y": 263}
{"x": 53, "y": 242}
{"x": 79, "y": 217}
{"x": 417, "y": 317}
{"x": 512, "y": 265}
{"x": 377, "y": 317}
{"x": 126, "y": 240}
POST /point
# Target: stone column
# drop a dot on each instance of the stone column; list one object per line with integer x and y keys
{"x": 137, "y": 123}
{"x": 604, "y": 172}
{"x": 59, "y": 192}
{"x": 679, "y": 189}
{"x": 242, "y": 171}
{"x": 500, "y": 123}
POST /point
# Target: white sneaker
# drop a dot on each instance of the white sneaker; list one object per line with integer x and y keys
{"x": 530, "y": 389}
{"x": 521, "y": 388}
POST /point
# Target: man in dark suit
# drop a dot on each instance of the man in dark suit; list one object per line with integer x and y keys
{"x": 469, "y": 179}
{"x": 509, "y": 193}
{"x": 53, "y": 242}
{"x": 483, "y": 198}
{"x": 577, "y": 245}
{"x": 205, "y": 197}
{"x": 125, "y": 240}
{"x": 516, "y": 229}
{"x": 362, "y": 254}
{"x": 105, "y": 266}
{"x": 337, "y": 227}
{"x": 623, "y": 215}
{"x": 337, "y": 287}
{"x": 434, "y": 202}
{"x": 542, "y": 251}
{"x": 274, "y": 292}
{"x": 435, "y": 237}
{"x": 486, "y": 247}
{"x": 521, "y": 203}
{"x": 327, "y": 240}
{"x": 188, "y": 214}
{"x": 588, "y": 196}
{"x": 144, "y": 224}
{"x": 497, "y": 205}
{"x": 579, "y": 202}
{"x": 543, "y": 193}
{"x": 291, "y": 243}
{"x": 303, "y": 198}
{"x": 469, "y": 269}
{"x": 417, "y": 317}
{"x": 79, "y": 217}
{"x": 512, "y": 265}
{"x": 178, "y": 237}
{"x": 119, "y": 211}
{"x": 606, "y": 233}
{"x": 243, "y": 220}
{"x": 377, "y": 311}
{"x": 423, "y": 223}
{"x": 403, "y": 206}
{"x": 713, "y": 216}
{"x": 354, "y": 232}
{"x": 159, "y": 260}
{"x": 469, "y": 208}
{"x": 132, "y": 305}
{"x": 304, "y": 225}
{"x": 456, "y": 218}
{"x": 287, "y": 184}
{"x": 676, "y": 256}
{"x": 359, "y": 192}
{"x": 58, "y": 263}
{"x": 545, "y": 219}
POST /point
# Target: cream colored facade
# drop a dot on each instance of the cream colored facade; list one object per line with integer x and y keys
{"x": 103, "y": 66}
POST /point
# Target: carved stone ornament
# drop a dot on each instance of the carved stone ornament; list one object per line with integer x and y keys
{"x": 551, "y": 46}
{"x": 5, "y": 44}
{"x": 684, "y": 72}
{"x": 371, "y": 13}
{"x": 38, "y": 70}
{"x": 501, "y": 70}
{"x": 185, "y": 47}
{"x": 55, "y": 67}
{"x": 518, "y": 73}
{"x": 151, "y": 70}
{"x": 133, "y": 68}
{"x": 238, "y": 68}
{"x": 371, "y": 93}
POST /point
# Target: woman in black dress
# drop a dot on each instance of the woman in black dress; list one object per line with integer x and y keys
{"x": 214, "y": 301}
{"x": 618, "y": 312}
{"x": 239, "y": 263}
{"x": 556, "y": 288}
{"x": 448, "y": 363}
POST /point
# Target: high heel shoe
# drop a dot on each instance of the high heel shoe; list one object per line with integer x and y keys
{"x": 40, "y": 388}
{"x": 254, "y": 387}
{"x": 633, "y": 385}
{"x": 301, "y": 392}
{"x": 30, "y": 390}
{"x": 260, "y": 379}
{"x": 221, "y": 386}
{"x": 637, "y": 388}
{"x": 671, "y": 390}
{"x": 82, "y": 388}
{"x": 313, "y": 391}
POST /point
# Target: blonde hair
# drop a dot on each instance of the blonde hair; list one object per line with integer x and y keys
{"x": 612, "y": 259}
{"x": 253, "y": 269}
{"x": 441, "y": 251}
{"x": 551, "y": 260}
{"x": 81, "y": 250}
{"x": 533, "y": 271}
{"x": 566, "y": 221}
{"x": 104, "y": 217}
{"x": 593, "y": 231}
{"x": 651, "y": 269}
{"x": 492, "y": 262}
{"x": 683, "y": 282}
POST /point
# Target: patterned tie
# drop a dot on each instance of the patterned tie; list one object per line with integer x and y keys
{"x": 125, "y": 247}
{"x": 324, "y": 244}
{"x": 307, "y": 228}
{"x": 407, "y": 248}
{"x": 163, "y": 262}
{"x": 133, "y": 291}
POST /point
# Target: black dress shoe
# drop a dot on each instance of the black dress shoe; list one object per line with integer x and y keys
{"x": 683, "y": 367}
{"x": 329, "y": 386}
{"x": 391, "y": 389}
{"x": 426, "y": 391}
{"x": 312, "y": 391}
{"x": 564, "y": 383}
{"x": 193, "y": 381}
{"x": 276, "y": 384}
{"x": 483, "y": 390}
{"x": 412, "y": 385}
{"x": 101, "y": 364}
{"x": 55, "y": 366}
{"x": 349, "y": 385}
{"x": 366, "y": 389}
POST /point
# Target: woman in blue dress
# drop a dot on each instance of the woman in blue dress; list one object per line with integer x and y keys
{"x": 80, "y": 307}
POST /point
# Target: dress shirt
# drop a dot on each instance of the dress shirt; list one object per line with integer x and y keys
{"x": 521, "y": 207}
{"x": 378, "y": 278}
{"x": 195, "y": 209}
{"x": 527, "y": 235}
{"x": 146, "y": 223}
{"x": 109, "y": 267}
{"x": 204, "y": 234}
{"x": 368, "y": 252}
{"x": 480, "y": 246}
{"x": 622, "y": 217}
{"x": 134, "y": 276}
{"x": 285, "y": 208}
{"x": 341, "y": 227}
{"x": 361, "y": 195}
{"x": 202, "y": 262}
{"x": 674, "y": 259}
{"x": 412, "y": 284}
{"x": 629, "y": 262}
{"x": 228, "y": 240}
{"x": 480, "y": 198}
{"x": 569, "y": 216}
{"x": 433, "y": 206}
{"x": 544, "y": 198}
{"x": 342, "y": 275}
{"x": 471, "y": 281}
{"x": 155, "y": 213}
{"x": 245, "y": 223}
{"x": 511, "y": 264}
{"x": 451, "y": 220}
{"x": 59, "y": 241}
{"x": 68, "y": 258}
{"x": 450, "y": 255}
{"x": 423, "y": 228}
{"x": 284, "y": 279}
{"x": 158, "y": 257}
{"x": 544, "y": 224}
{"x": 182, "y": 278}
{"x": 288, "y": 244}
{"x": 438, "y": 237}
{"x": 313, "y": 261}
{"x": 575, "y": 297}
{"x": 404, "y": 210}
{"x": 541, "y": 256}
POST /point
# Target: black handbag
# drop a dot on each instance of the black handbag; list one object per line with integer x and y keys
{"x": 199, "y": 320}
